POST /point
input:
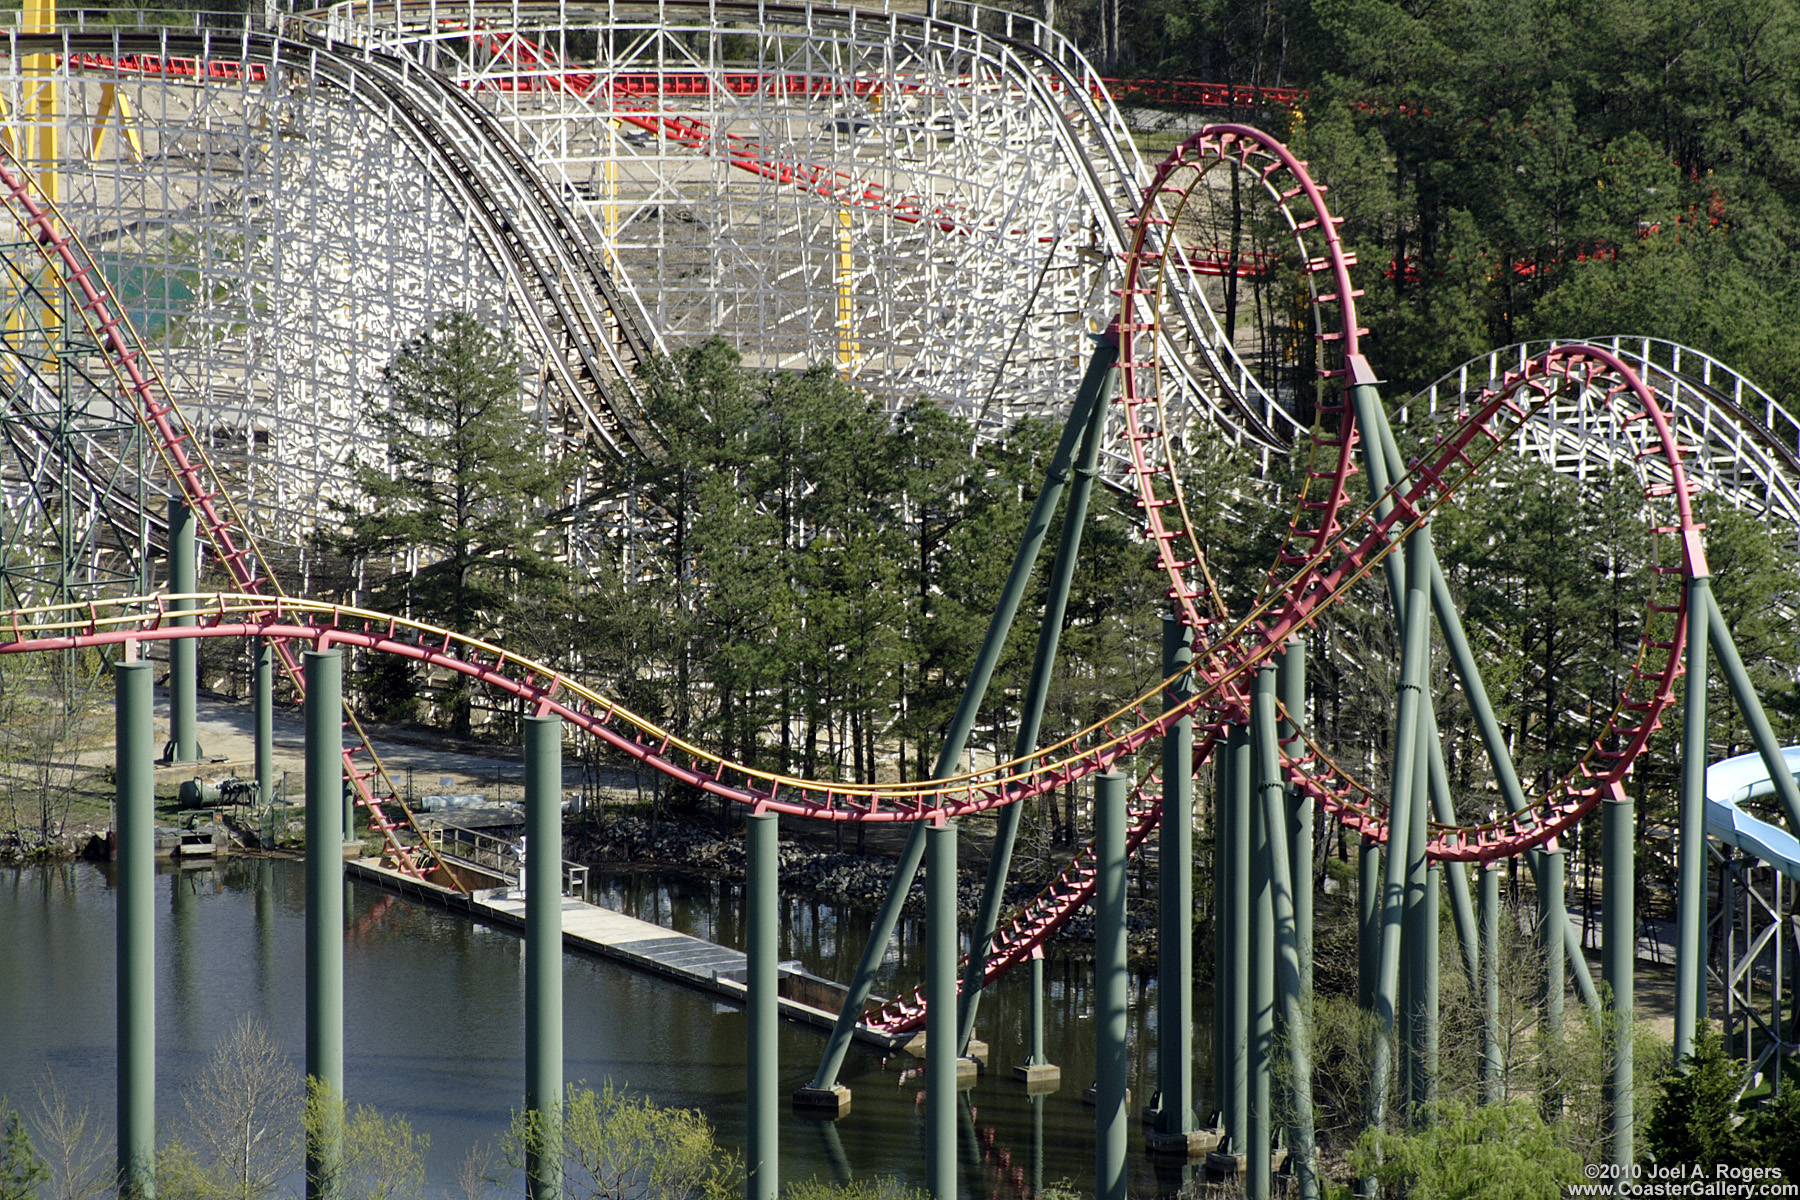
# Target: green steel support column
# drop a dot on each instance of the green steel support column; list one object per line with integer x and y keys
{"x": 1419, "y": 942}
{"x": 325, "y": 910}
{"x": 1110, "y": 1060}
{"x": 1031, "y": 708}
{"x": 1292, "y": 683}
{"x": 1552, "y": 915}
{"x": 1237, "y": 917}
{"x": 1285, "y": 886}
{"x": 1426, "y": 1024}
{"x": 762, "y": 1009}
{"x": 184, "y": 738}
{"x": 1751, "y": 709}
{"x": 264, "y": 673}
{"x": 1260, "y": 1147}
{"x": 134, "y": 750}
{"x": 1475, "y": 693}
{"x": 1491, "y": 1081}
{"x": 1093, "y": 384}
{"x": 1617, "y": 866}
{"x": 1038, "y": 1057}
{"x": 544, "y": 956}
{"x": 1175, "y": 901}
{"x": 1368, "y": 920}
{"x": 1221, "y": 893}
{"x": 1462, "y": 905}
{"x": 1690, "y": 891}
{"x": 1401, "y": 795}
{"x": 940, "y": 1017}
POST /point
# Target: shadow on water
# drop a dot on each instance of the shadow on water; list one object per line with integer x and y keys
{"x": 434, "y": 1023}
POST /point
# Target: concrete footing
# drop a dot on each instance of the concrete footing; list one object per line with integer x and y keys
{"x": 832, "y": 1102}
{"x": 1220, "y": 1162}
{"x": 968, "y": 1070}
{"x": 1035, "y": 1076}
{"x": 1198, "y": 1144}
{"x": 1088, "y": 1094}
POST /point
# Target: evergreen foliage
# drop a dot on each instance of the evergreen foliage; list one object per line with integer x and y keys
{"x": 1497, "y": 1152}
{"x": 21, "y": 1170}
{"x": 462, "y": 487}
{"x": 1698, "y": 1121}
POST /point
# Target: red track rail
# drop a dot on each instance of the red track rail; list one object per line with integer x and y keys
{"x": 186, "y": 463}
{"x": 1329, "y": 547}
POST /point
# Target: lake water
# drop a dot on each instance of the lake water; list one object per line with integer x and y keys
{"x": 434, "y": 1021}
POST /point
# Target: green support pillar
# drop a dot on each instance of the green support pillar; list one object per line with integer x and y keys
{"x": 762, "y": 1008}
{"x": 1690, "y": 890}
{"x": 1492, "y": 1082}
{"x": 1368, "y": 920}
{"x": 1284, "y": 887}
{"x": 184, "y": 738}
{"x": 1037, "y": 1071}
{"x": 1382, "y": 467}
{"x": 1110, "y": 1062}
{"x": 940, "y": 1017}
{"x": 1618, "y": 850}
{"x": 1402, "y": 795}
{"x": 1238, "y": 916}
{"x": 544, "y": 956}
{"x": 1552, "y": 915}
{"x": 1031, "y": 705}
{"x": 1174, "y": 1116}
{"x": 264, "y": 687}
{"x": 134, "y": 750}
{"x": 325, "y": 911}
{"x": 824, "y": 1093}
{"x": 1291, "y": 674}
{"x": 1420, "y": 942}
{"x": 1221, "y": 897}
{"x": 1259, "y": 1149}
{"x": 1038, "y": 1056}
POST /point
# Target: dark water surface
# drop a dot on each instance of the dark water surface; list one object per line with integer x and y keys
{"x": 434, "y": 1021}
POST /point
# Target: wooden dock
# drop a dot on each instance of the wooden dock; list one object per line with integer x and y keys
{"x": 603, "y": 933}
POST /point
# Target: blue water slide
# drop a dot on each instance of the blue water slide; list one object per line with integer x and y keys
{"x": 1730, "y": 782}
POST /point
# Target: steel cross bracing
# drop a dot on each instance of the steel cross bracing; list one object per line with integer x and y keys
{"x": 287, "y": 215}
{"x": 1755, "y": 953}
{"x": 143, "y": 393}
{"x": 73, "y": 477}
{"x": 277, "y": 316}
{"x": 1745, "y": 448}
{"x": 1331, "y": 542}
{"x": 959, "y": 192}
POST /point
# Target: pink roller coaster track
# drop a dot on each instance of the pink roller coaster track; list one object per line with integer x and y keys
{"x": 1331, "y": 544}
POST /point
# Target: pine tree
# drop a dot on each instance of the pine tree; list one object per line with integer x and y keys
{"x": 465, "y": 487}
{"x": 1693, "y": 1121}
{"x": 20, "y": 1168}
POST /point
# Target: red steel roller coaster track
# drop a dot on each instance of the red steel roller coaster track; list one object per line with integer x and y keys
{"x": 197, "y": 483}
{"x": 1330, "y": 545}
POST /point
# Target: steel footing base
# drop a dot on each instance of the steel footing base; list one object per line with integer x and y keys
{"x": 832, "y": 1102}
{"x": 1198, "y": 1144}
{"x": 1220, "y": 1162}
